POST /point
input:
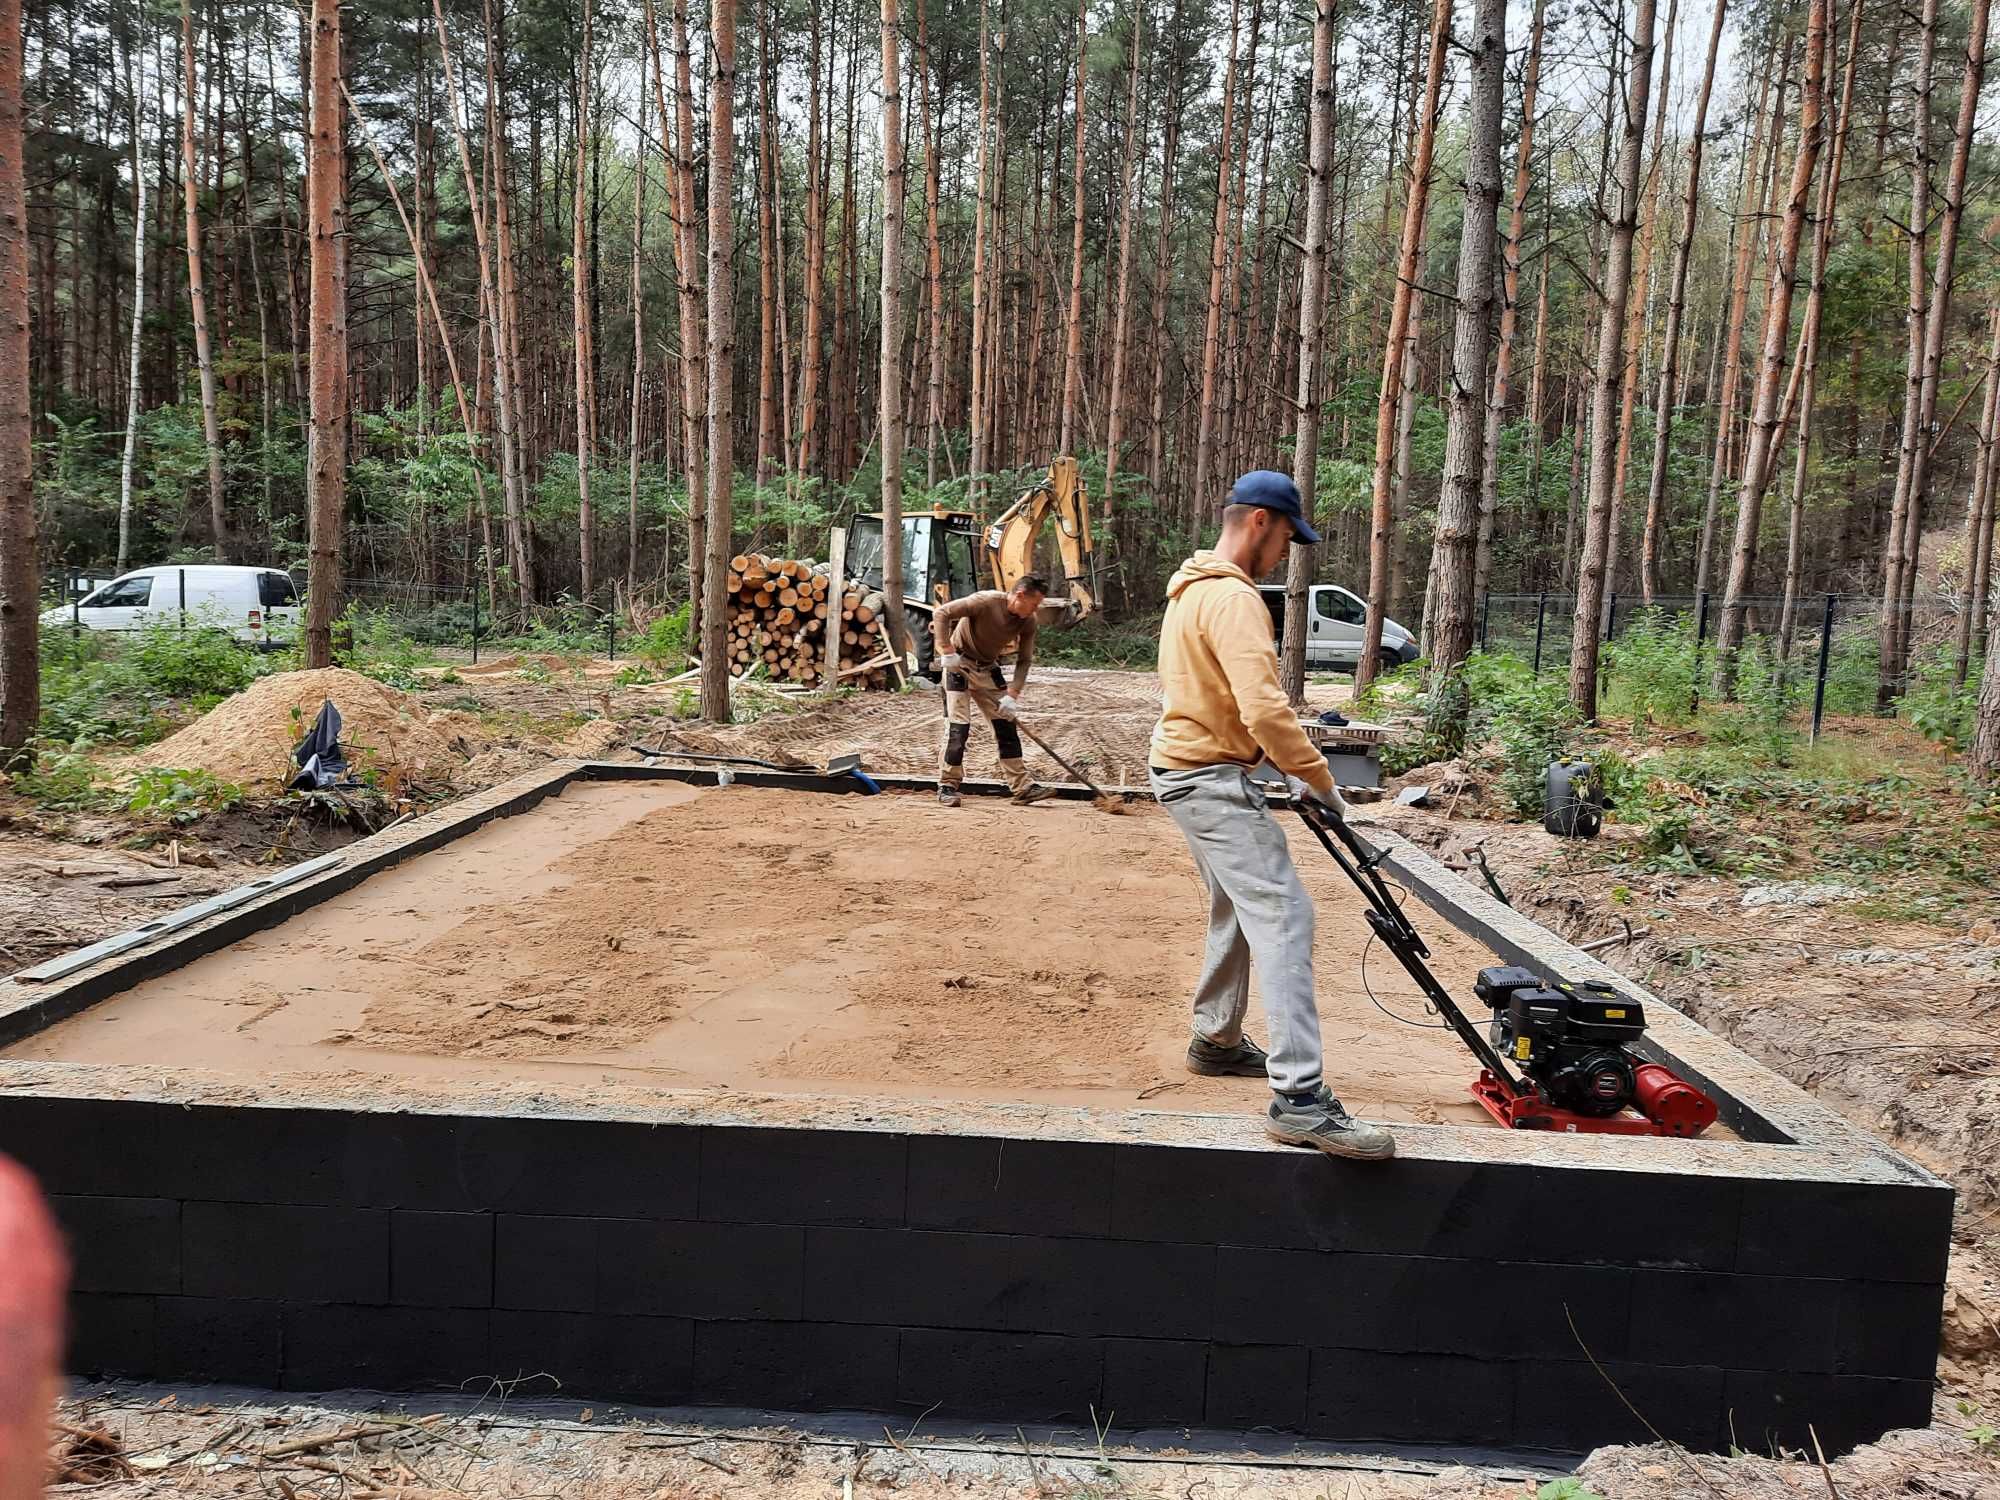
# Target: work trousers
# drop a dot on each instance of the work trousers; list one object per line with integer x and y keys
{"x": 1258, "y": 912}
{"x": 978, "y": 687}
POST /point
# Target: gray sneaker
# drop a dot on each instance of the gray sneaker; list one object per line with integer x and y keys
{"x": 947, "y": 796}
{"x": 1244, "y": 1060}
{"x": 1325, "y": 1126}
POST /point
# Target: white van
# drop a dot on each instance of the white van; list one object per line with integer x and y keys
{"x": 1334, "y": 627}
{"x": 259, "y": 606}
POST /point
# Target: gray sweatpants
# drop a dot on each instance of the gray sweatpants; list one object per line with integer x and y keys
{"x": 1258, "y": 911}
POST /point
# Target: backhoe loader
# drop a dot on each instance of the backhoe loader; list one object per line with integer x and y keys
{"x": 951, "y": 553}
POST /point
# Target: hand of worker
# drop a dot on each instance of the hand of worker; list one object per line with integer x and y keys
{"x": 951, "y": 661}
{"x": 1328, "y": 802}
{"x": 1008, "y": 706}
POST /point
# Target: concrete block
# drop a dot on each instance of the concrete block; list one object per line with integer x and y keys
{"x": 999, "y": 1376}
{"x": 1888, "y": 1328}
{"x": 802, "y": 1176}
{"x": 1871, "y": 1231}
{"x": 111, "y": 1334}
{"x": 1257, "y": 1386}
{"x": 1154, "y": 1383}
{"x": 231, "y": 1340}
{"x": 796, "y": 1366}
{"x": 385, "y": 1348}
{"x": 1573, "y": 1406}
{"x": 1029, "y": 1283}
{"x": 590, "y": 1355}
{"x": 285, "y": 1252}
{"x": 122, "y": 1244}
{"x": 1436, "y": 1398}
{"x": 440, "y": 1259}
{"x": 545, "y": 1264}
{"x": 699, "y": 1270}
{"x": 1767, "y": 1409}
{"x": 1739, "y": 1322}
{"x": 1010, "y": 1186}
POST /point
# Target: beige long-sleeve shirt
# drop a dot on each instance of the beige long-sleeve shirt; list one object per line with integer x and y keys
{"x": 982, "y": 629}
{"x": 1221, "y": 700}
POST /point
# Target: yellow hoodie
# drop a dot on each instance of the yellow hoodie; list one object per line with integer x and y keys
{"x": 1220, "y": 698}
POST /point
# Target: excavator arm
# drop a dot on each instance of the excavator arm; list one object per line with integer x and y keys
{"x": 1011, "y": 538}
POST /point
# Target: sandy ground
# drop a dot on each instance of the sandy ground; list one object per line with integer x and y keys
{"x": 793, "y": 942}
{"x": 207, "y": 1446}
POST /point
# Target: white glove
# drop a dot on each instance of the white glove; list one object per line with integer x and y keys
{"x": 952, "y": 661}
{"x": 1008, "y": 706}
{"x": 1328, "y": 802}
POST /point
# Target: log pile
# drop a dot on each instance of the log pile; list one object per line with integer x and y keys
{"x": 780, "y": 610}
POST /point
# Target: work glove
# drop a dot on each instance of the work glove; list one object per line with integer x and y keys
{"x": 952, "y": 661}
{"x": 1328, "y": 802}
{"x": 1008, "y": 706}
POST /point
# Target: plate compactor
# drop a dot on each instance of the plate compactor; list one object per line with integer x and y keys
{"x": 1573, "y": 1043}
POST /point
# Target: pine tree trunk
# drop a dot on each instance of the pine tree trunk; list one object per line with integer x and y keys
{"x": 1757, "y": 453}
{"x": 715, "y": 706}
{"x": 1211, "y": 344}
{"x": 507, "y": 326}
{"x": 328, "y": 350}
{"x": 1983, "y": 754}
{"x": 586, "y": 419}
{"x": 134, "y": 394}
{"x": 1979, "y": 519}
{"x": 1382, "y": 537}
{"x": 211, "y": 430}
{"x": 1510, "y": 301}
{"x": 1454, "y": 603}
{"x": 934, "y": 263}
{"x": 1610, "y": 373}
{"x": 1121, "y": 337}
{"x": 20, "y": 584}
{"x": 981, "y": 312}
{"x": 638, "y": 351}
{"x": 1916, "y": 427}
{"x": 768, "y": 289}
{"x": 1764, "y": 137}
{"x": 695, "y": 376}
{"x": 1654, "y": 533}
{"x": 1073, "y": 322}
{"x": 1303, "y": 560}
{"x": 889, "y": 392}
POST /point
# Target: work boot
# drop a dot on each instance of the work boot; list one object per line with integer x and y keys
{"x": 947, "y": 796}
{"x": 1325, "y": 1126}
{"x": 1031, "y": 794}
{"x": 1213, "y": 1060}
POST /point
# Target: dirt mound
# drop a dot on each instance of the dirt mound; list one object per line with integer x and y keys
{"x": 248, "y": 739}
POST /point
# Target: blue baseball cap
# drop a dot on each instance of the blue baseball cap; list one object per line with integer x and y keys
{"x": 1267, "y": 489}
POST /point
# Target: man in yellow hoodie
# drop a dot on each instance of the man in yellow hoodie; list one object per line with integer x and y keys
{"x": 1222, "y": 713}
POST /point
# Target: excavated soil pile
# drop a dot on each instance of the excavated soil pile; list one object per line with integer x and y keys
{"x": 786, "y": 941}
{"x": 248, "y": 739}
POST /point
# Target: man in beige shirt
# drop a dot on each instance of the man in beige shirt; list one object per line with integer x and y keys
{"x": 972, "y": 635}
{"x": 1223, "y": 712}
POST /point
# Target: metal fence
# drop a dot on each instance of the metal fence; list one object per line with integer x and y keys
{"x": 1539, "y": 628}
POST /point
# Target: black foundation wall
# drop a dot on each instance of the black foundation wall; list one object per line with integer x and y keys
{"x": 1421, "y": 1300}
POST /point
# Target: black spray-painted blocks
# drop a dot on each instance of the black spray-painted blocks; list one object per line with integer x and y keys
{"x": 1426, "y": 1300}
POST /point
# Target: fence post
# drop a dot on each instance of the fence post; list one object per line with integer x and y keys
{"x": 184, "y": 600}
{"x": 1825, "y": 658}
{"x": 1700, "y": 637}
{"x": 1541, "y": 615}
{"x": 1485, "y": 617}
{"x": 75, "y": 608}
{"x": 475, "y": 617}
{"x": 611, "y": 635}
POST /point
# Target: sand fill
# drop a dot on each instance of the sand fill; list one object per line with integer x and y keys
{"x": 786, "y": 942}
{"x": 248, "y": 739}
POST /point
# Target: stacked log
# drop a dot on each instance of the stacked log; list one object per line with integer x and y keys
{"x": 780, "y": 610}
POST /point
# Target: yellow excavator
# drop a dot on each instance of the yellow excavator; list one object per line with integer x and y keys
{"x": 950, "y": 553}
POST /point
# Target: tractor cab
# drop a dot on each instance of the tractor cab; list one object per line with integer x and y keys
{"x": 940, "y": 555}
